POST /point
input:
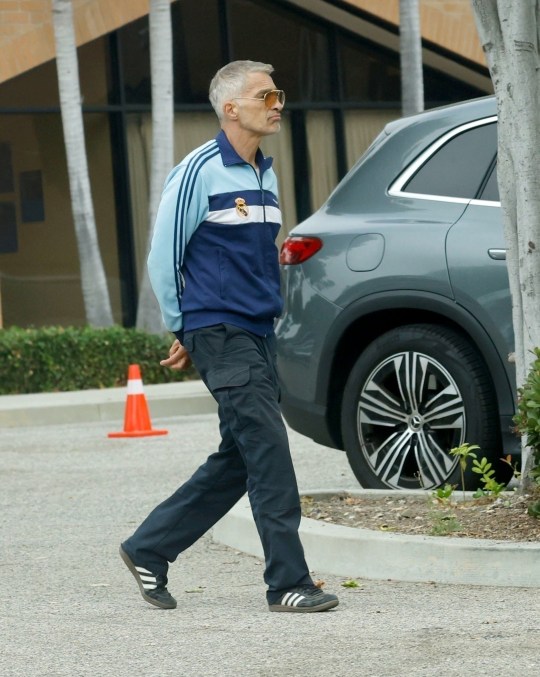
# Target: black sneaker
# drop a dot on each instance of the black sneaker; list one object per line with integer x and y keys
{"x": 305, "y": 599}
{"x": 153, "y": 587}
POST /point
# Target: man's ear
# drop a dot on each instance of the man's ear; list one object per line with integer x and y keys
{"x": 230, "y": 110}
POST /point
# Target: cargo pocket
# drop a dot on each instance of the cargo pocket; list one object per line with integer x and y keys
{"x": 228, "y": 377}
{"x": 234, "y": 401}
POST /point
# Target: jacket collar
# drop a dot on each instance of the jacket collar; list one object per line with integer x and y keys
{"x": 230, "y": 157}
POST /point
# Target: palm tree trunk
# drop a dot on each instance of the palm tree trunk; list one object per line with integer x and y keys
{"x": 93, "y": 281}
{"x": 410, "y": 41}
{"x": 148, "y": 313}
{"x": 509, "y": 33}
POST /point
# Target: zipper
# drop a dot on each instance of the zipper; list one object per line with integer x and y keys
{"x": 259, "y": 181}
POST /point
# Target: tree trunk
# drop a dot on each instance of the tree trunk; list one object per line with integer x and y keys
{"x": 509, "y": 36}
{"x": 410, "y": 47}
{"x": 148, "y": 313}
{"x": 93, "y": 281}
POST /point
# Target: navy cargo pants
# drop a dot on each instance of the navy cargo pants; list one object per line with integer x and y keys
{"x": 239, "y": 370}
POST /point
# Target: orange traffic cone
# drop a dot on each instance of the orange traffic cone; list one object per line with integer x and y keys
{"x": 137, "y": 418}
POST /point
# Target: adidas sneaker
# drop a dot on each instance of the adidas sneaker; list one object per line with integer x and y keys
{"x": 153, "y": 587}
{"x": 304, "y": 599}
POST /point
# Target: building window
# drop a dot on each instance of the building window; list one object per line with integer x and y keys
{"x": 296, "y": 47}
{"x": 198, "y": 51}
{"x": 135, "y": 59}
{"x": 8, "y": 228}
{"x": 31, "y": 191}
{"x": 369, "y": 73}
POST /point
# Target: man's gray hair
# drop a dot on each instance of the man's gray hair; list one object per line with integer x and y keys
{"x": 230, "y": 81}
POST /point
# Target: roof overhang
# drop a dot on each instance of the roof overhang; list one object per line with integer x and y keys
{"x": 92, "y": 19}
{"x": 450, "y": 39}
{"x": 451, "y": 43}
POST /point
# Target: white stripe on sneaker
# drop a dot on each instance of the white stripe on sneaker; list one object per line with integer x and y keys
{"x": 292, "y": 599}
{"x": 297, "y": 601}
{"x": 149, "y": 581}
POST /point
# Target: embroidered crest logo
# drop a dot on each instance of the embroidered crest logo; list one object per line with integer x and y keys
{"x": 241, "y": 206}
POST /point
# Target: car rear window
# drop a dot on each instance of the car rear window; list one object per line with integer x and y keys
{"x": 491, "y": 189}
{"x": 458, "y": 168}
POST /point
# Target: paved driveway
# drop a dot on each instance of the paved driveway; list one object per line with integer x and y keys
{"x": 68, "y": 606}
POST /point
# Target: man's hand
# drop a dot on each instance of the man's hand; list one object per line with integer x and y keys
{"x": 178, "y": 357}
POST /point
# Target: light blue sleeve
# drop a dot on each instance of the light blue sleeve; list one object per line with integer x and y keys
{"x": 183, "y": 206}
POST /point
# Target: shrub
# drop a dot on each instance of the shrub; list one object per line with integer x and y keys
{"x": 527, "y": 419}
{"x": 78, "y": 358}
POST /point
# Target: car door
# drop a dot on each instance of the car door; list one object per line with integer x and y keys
{"x": 476, "y": 254}
{"x": 461, "y": 170}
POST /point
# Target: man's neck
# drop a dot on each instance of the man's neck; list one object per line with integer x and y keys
{"x": 244, "y": 143}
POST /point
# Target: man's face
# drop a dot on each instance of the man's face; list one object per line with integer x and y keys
{"x": 253, "y": 114}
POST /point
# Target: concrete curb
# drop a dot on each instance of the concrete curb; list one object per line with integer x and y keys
{"x": 339, "y": 550}
{"x": 85, "y": 406}
{"x": 362, "y": 553}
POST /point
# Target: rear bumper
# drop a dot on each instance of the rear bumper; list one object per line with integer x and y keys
{"x": 308, "y": 419}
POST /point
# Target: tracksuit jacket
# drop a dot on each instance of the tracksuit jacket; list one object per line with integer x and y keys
{"x": 213, "y": 257}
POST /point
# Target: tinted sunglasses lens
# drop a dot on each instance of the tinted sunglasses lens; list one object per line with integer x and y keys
{"x": 273, "y": 97}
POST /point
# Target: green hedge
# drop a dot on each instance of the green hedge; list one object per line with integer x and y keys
{"x": 527, "y": 419}
{"x": 71, "y": 358}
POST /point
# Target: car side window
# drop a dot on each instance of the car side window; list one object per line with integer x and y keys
{"x": 458, "y": 168}
{"x": 491, "y": 189}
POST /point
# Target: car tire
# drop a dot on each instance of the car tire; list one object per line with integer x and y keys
{"x": 413, "y": 394}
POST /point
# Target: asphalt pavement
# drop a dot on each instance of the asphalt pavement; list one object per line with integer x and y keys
{"x": 68, "y": 605}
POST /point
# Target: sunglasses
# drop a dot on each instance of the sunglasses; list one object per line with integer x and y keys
{"x": 270, "y": 98}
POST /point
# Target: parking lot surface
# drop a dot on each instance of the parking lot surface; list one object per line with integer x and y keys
{"x": 69, "y": 607}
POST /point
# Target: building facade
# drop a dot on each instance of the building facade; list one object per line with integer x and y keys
{"x": 338, "y": 62}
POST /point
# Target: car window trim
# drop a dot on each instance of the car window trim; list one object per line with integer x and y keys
{"x": 485, "y": 203}
{"x": 396, "y": 187}
{"x": 487, "y": 176}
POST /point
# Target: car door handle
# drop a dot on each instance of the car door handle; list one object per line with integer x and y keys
{"x": 497, "y": 254}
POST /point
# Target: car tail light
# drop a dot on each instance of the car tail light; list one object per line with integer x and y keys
{"x": 297, "y": 249}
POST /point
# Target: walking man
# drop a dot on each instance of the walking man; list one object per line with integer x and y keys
{"x": 214, "y": 269}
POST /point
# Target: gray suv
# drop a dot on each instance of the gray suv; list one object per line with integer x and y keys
{"x": 397, "y": 327}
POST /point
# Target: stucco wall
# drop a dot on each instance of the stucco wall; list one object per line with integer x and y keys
{"x": 448, "y": 23}
{"x": 26, "y": 32}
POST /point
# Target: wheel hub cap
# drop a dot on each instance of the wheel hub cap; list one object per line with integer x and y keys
{"x": 410, "y": 414}
{"x": 416, "y": 422}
